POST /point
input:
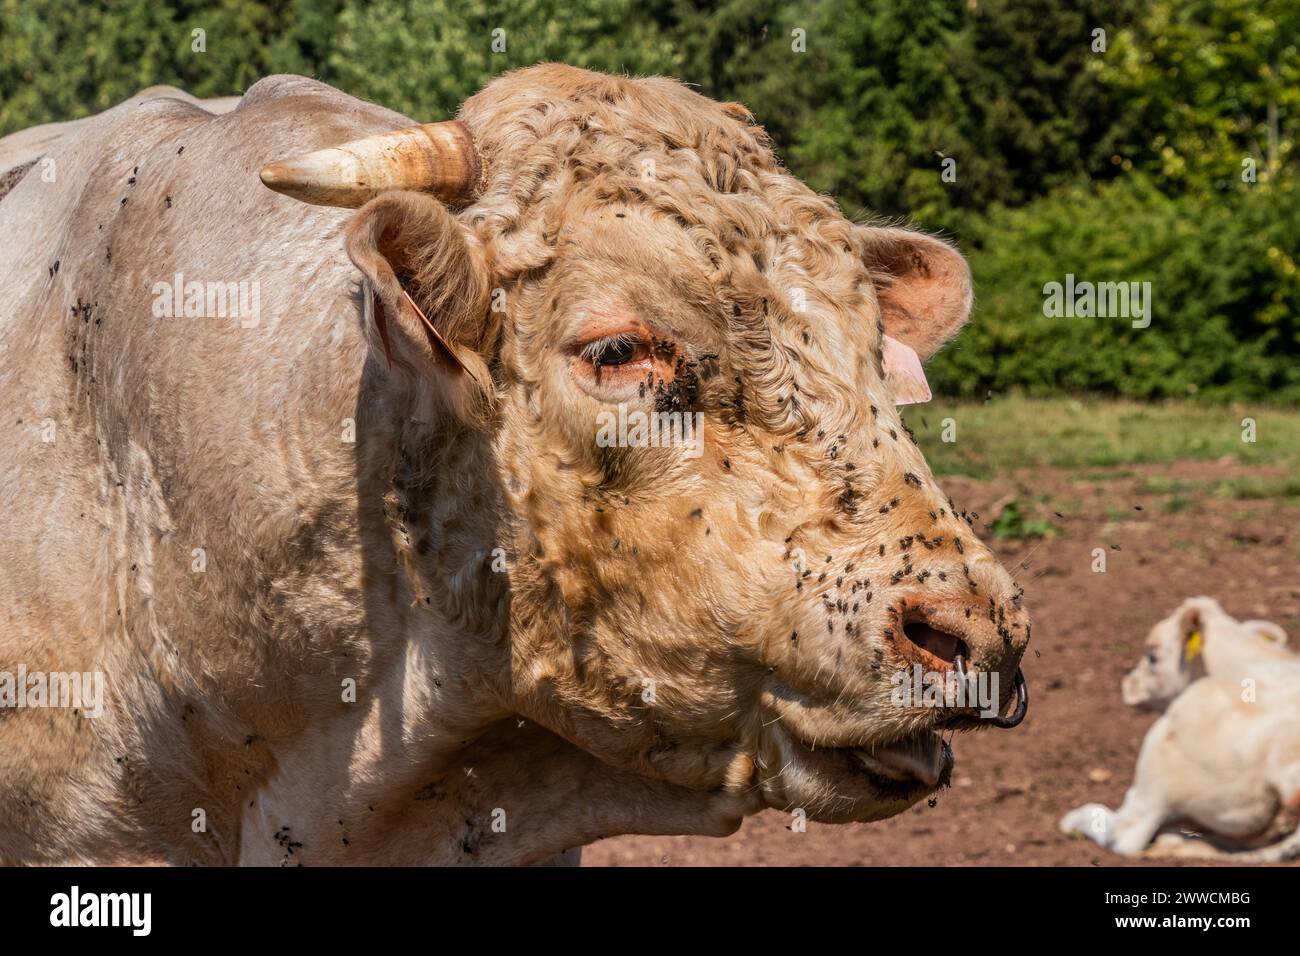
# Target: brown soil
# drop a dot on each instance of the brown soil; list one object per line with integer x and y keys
{"x": 1079, "y": 742}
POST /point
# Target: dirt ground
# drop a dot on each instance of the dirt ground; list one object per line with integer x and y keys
{"x": 1079, "y": 742}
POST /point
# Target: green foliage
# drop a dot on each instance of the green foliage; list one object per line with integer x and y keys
{"x": 61, "y": 60}
{"x": 445, "y": 50}
{"x": 1225, "y": 313}
{"x": 884, "y": 93}
{"x": 1213, "y": 82}
{"x": 1038, "y": 113}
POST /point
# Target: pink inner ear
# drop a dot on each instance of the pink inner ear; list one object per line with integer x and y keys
{"x": 904, "y": 375}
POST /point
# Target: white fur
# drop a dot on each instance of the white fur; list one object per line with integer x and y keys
{"x": 1225, "y": 756}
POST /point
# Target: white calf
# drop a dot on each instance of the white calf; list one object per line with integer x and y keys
{"x": 1225, "y": 757}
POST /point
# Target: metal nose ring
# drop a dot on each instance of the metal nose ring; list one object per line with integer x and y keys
{"x": 1022, "y": 704}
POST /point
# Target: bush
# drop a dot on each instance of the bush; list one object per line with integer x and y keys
{"x": 1224, "y": 287}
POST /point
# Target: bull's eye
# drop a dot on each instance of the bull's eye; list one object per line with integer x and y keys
{"x": 617, "y": 363}
{"x": 614, "y": 351}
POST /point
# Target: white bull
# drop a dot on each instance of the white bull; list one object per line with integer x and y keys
{"x": 308, "y": 486}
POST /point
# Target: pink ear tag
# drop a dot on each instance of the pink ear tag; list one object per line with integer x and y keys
{"x": 904, "y": 375}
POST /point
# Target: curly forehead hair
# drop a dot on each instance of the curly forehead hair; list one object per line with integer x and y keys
{"x": 557, "y": 141}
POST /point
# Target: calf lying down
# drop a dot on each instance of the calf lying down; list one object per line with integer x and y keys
{"x": 1224, "y": 758}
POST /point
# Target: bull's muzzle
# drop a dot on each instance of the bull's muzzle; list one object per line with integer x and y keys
{"x": 1022, "y": 696}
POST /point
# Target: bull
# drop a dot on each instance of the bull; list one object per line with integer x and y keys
{"x": 363, "y": 585}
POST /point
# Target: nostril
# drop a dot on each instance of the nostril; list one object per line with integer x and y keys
{"x": 941, "y": 644}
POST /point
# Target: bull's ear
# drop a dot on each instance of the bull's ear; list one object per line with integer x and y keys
{"x": 1273, "y": 633}
{"x": 425, "y": 297}
{"x": 1191, "y": 629}
{"x": 923, "y": 285}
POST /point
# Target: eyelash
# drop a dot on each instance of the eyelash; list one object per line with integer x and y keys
{"x": 592, "y": 351}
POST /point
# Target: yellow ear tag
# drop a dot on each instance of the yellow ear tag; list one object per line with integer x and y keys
{"x": 1193, "y": 647}
{"x": 1266, "y": 636}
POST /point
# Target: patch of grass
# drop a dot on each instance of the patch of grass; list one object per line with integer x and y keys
{"x": 1242, "y": 489}
{"x": 1070, "y": 508}
{"x": 1002, "y": 435}
{"x": 1012, "y": 523}
{"x": 1176, "y": 504}
{"x": 1158, "y": 485}
{"x": 1105, "y": 475}
{"x": 1139, "y": 621}
{"x": 1252, "y": 489}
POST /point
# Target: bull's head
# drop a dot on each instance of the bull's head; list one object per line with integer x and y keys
{"x": 722, "y": 544}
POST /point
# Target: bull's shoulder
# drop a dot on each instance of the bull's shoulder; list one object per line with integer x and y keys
{"x": 22, "y": 148}
{"x": 316, "y": 110}
{"x": 280, "y": 86}
{"x": 316, "y": 113}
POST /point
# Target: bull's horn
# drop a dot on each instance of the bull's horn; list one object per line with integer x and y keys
{"x": 437, "y": 158}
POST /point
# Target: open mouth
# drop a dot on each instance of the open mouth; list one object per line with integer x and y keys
{"x": 901, "y": 771}
{"x": 922, "y": 760}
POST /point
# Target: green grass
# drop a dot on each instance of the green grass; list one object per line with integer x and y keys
{"x": 1249, "y": 489}
{"x": 1112, "y": 475}
{"x": 1158, "y": 485}
{"x": 1013, "y": 523}
{"x": 1082, "y": 434}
